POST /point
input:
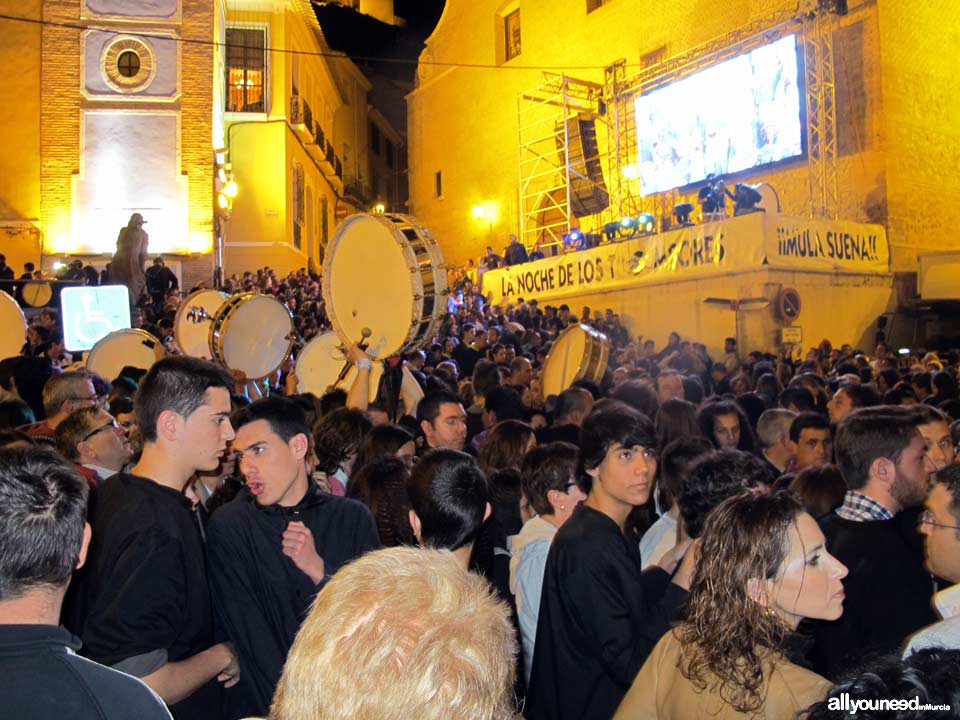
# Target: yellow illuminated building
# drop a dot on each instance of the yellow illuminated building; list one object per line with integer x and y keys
{"x": 296, "y": 136}
{"x": 896, "y": 140}
{"x": 154, "y": 106}
{"x": 108, "y": 128}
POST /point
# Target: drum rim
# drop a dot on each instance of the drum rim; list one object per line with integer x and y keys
{"x": 441, "y": 289}
{"x": 183, "y": 309}
{"x": 234, "y": 301}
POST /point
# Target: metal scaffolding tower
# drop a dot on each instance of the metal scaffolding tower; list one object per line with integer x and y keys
{"x": 545, "y": 154}
{"x": 818, "y": 30}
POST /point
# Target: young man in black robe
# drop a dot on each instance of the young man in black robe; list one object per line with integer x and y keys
{"x": 144, "y": 601}
{"x": 274, "y": 547}
{"x": 600, "y": 616}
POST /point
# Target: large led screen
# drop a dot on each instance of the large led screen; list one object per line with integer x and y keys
{"x": 739, "y": 114}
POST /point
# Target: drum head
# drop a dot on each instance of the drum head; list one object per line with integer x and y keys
{"x": 565, "y": 361}
{"x": 13, "y": 327}
{"x": 120, "y": 348}
{"x": 36, "y": 293}
{"x": 367, "y": 283}
{"x": 254, "y": 335}
{"x": 192, "y": 334}
{"x": 321, "y": 361}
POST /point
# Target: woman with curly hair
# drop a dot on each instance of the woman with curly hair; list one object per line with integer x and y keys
{"x": 762, "y": 568}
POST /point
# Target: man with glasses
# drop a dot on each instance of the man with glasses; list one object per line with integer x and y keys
{"x": 62, "y": 394}
{"x": 940, "y": 527}
{"x": 92, "y": 438}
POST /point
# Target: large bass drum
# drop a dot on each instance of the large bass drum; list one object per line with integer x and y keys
{"x": 13, "y": 327}
{"x": 578, "y": 352}
{"x": 191, "y": 326}
{"x": 320, "y": 362}
{"x": 386, "y": 273}
{"x": 251, "y": 334}
{"x": 121, "y": 348}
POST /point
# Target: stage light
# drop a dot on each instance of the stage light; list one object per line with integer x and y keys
{"x": 222, "y": 175}
{"x": 573, "y": 240}
{"x": 903, "y": 351}
{"x": 230, "y": 189}
{"x": 745, "y": 198}
{"x": 479, "y": 211}
{"x": 628, "y": 223}
{"x": 610, "y": 230}
{"x": 379, "y": 208}
{"x": 682, "y": 213}
{"x": 631, "y": 172}
{"x": 223, "y": 201}
{"x": 646, "y": 222}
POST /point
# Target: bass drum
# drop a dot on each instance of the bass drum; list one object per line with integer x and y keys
{"x": 386, "y": 273}
{"x": 578, "y": 352}
{"x": 13, "y": 327}
{"x": 320, "y": 362}
{"x": 251, "y": 334}
{"x": 36, "y": 293}
{"x": 191, "y": 326}
{"x": 121, "y": 348}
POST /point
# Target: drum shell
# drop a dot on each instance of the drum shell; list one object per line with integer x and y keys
{"x": 422, "y": 264}
{"x": 590, "y": 364}
{"x": 116, "y": 350}
{"x": 280, "y": 342}
{"x": 13, "y": 327}
{"x": 198, "y": 342}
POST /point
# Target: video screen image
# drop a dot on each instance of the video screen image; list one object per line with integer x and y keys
{"x": 739, "y": 114}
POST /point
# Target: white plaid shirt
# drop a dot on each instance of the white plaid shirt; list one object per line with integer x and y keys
{"x": 859, "y": 507}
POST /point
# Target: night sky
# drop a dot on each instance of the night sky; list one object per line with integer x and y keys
{"x": 363, "y": 37}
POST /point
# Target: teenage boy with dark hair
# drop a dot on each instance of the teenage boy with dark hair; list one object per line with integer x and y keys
{"x": 274, "y": 547}
{"x": 874, "y": 533}
{"x": 600, "y": 616}
{"x": 43, "y": 538}
{"x": 449, "y": 501}
{"x": 811, "y": 441}
{"x": 145, "y": 604}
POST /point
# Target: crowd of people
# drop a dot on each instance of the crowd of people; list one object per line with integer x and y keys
{"x": 688, "y": 535}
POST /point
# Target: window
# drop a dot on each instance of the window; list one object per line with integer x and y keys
{"x": 594, "y": 4}
{"x": 246, "y": 69}
{"x": 389, "y": 154}
{"x": 438, "y": 184}
{"x": 375, "y": 139}
{"x": 298, "y": 204}
{"x": 511, "y": 34}
{"x": 128, "y": 64}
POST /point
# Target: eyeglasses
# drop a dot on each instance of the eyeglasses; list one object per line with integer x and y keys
{"x": 926, "y": 518}
{"x": 106, "y": 426}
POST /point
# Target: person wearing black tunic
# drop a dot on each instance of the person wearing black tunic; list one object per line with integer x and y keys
{"x": 274, "y": 546}
{"x": 600, "y": 616}
{"x": 144, "y": 601}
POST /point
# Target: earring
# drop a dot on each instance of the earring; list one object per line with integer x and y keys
{"x": 563, "y": 507}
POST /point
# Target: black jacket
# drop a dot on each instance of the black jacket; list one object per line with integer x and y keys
{"x": 600, "y": 617}
{"x": 42, "y": 678}
{"x": 888, "y": 591}
{"x": 260, "y": 597}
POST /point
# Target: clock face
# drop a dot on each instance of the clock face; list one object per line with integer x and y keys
{"x": 128, "y": 65}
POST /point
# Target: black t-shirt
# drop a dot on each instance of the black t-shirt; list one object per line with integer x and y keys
{"x": 42, "y": 678}
{"x": 144, "y": 600}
